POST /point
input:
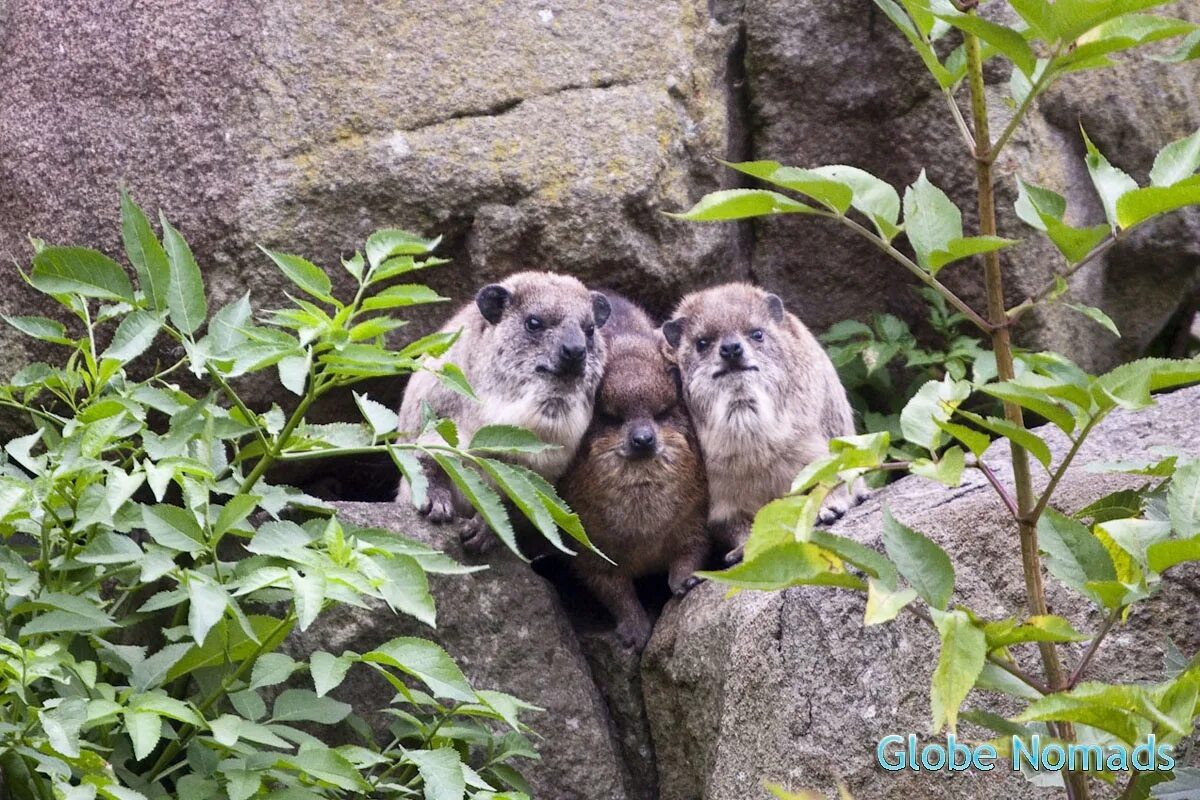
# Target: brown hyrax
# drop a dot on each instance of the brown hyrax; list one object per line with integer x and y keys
{"x": 530, "y": 351}
{"x": 764, "y": 397}
{"x": 637, "y": 482}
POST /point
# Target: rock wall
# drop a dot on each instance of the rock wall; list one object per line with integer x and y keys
{"x": 547, "y": 134}
{"x": 786, "y": 687}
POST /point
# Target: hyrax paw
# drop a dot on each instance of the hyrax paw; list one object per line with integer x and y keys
{"x": 833, "y": 509}
{"x": 438, "y": 505}
{"x": 634, "y": 634}
{"x": 477, "y": 537}
{"x": 734, "y": 555}
{"x": 687, "y": 585}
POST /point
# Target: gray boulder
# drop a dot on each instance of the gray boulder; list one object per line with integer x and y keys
{"x": 789, "y": 687}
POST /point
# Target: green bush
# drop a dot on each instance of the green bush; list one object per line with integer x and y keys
{"x": 1113, "y": 553}
{"x": 152, "y": 572}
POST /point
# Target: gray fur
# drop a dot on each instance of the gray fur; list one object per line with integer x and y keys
{"x": 759, "y": 426}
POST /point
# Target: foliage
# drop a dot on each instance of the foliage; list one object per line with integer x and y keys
{"x": 882, "y": 365}
{"x": 152, "y": 572}
{"x": 1113, "y": 553}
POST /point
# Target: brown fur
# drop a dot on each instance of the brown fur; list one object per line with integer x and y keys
{"x": 645, "y": 513}
{"x": 519, "y": 377}
{"x": 758, "y": 426}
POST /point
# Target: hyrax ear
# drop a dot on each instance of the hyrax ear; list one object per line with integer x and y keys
{"x": 775, "y": 307}
{"x": 600, "y": 308}
{"x": 673, "y": 331}
{"x": 491, "y": 300}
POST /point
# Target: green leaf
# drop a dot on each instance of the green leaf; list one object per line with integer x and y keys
{"x": 234, "y": 512}
{"x": 308, "y": 276}
{"x": 1004, "y": 39}
{"x": 151, "y": 672}
{"x": 884, "y": 604}
{"x": 918, "y": 41}
{"x": 481, "y": 497}
{"x": 788, "y": 564}
{"x": 327, "y": 766}
{"x": 135, "y": 333}
{"x": 874, "y": 198}
{"x": 507, "y": 439}
{"x": 963, "y": 653}
{"x": 1095, "y": 315}
{"x": 1183, "y": 500}
{"x": 328, "y": 671}
{"x": 946, "y": 470}
{"x": 1117, "y": 505}
{"x": 387, "y": 243}
{"x": 144, "y": 729}
{"x": 402, "y": 296}
{"x": 272, "y": 669}
{"x": 308, "y": 593}
{"x": 1043, "y": 628}
{"x": 381, "y": 418}
{"x": 1141, "y": 204}
{"x": 1038, "y": 14}
{"x": 965, "y": 248}
{"x": 1134, "y": 536}
{"x": 1043, "y": 209}
{"x": 515, "y": 484}
{"x": 454, "y": 379}
{"x": 931, "y": 404}
{"x": 301, "y": 705}
{"x": 62, "y": 724}
{"x": 145, "y": 253}
{"x": 1116, "y": 35}
{"x": 441, "y": 771}
{"x": 426, "y": 662}
{"x": 185, "y": 291}
{"x": 207, "y": 604}
{"x": 1164, "y": 555}
{"x": 110, "y": 548}
{"x": 1073, "y": 554}
{"x": 931, "y": 220}
{"x": 1077, "y": 706}
{"x": 975, "y": 441}
{"x": 830, "y": 193}
{"x": 81, "y": 271}
{"x": 1033, "y": 400}
{"x": 920, "y": 561}
{"x": 1023, "y": 437}
{"x": 1111, "y": 183}
{"x": 1073, "y": 18}
{"x": 46, "y": 330}
{"x": 1177, "y": 161}
{"x": 405, "y": 588}
{"x": 173, "y": 527}
{"x": 228, "y": 641}
{"x": 1188, "y": 49}
{"x": 731, "y": 204}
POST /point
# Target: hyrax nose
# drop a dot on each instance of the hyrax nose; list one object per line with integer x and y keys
{"x": 573, "y": 353}
{"x": 731, "y": 349}
{"x": 642, "y": 439}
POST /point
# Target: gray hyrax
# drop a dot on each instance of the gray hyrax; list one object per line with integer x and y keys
{"x": 530, "y": 351}
{"x": 764, "y": 397}
{"x": 638, "y": 480}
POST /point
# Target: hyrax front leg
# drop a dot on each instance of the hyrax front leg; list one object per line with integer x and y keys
{"x": 732, "y": 533}
{"x": 438, "y": 506}
{"x": 478, "y": 537}
{"x": 617, "y": 594}
{"x": 682, "y": 577}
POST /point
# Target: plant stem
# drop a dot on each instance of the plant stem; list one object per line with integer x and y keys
{"x": 923, "y": 275}
{"x": 1008, "y": 666}
{"x": 1096, "y": 252}
{"x": 961, "y": 123}
{"x": 1061, "y": 470}
{"x": 1077, "y": 675}
{"x": 1001, "y": 491}
{"x": 1002, "y": 348}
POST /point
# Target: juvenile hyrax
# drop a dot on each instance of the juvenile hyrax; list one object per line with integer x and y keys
{"x": 530, "y": 351}
{"x": 637, "y": 482}
{"x": 764, "y": 397}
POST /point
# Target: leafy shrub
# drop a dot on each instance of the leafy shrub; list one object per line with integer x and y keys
{"x": 152, "y": 571}
{"x": 1112, "y": 553}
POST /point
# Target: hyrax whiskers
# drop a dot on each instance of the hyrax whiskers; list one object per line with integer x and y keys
{"x": 764, "y": 397}
{"x": 637, "y": 481}
{"x": 530, "y": 350}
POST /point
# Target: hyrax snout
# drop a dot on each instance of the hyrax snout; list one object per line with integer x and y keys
{"x": 638, "y": 481}
{"x": 531, "y": 350}
{"x": 764, "y": 397}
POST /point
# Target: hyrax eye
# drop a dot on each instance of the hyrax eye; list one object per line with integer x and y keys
{"x": 757, "y": 334}
{"x": 533, "y": 324}
{"x": 664, "y": 415}
{"x": 589, "y": 330}
{"x": 702, "y": 344}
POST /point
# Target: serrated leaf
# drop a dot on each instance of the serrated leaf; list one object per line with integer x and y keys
{"x": 1183, "y": 500}
{"x": 929, "y": 405}
{"x": 81, "y": 271}
{"x": 965, "y": 248}
{"x": 733, "y": 204}
{"x": 185, "y": 291}
{"x": 133, "y": 336}
{"x": 405, "y": 587}
{"x": 206, "y": 606}
{"x": 272, "y": 669}
{"x": 884, "y": 604}
{"x": 1110, "y": 182}
{"x": 1043, "y": 628}
{"x": 426, "y": 662}
{"x": 507, "y": 439}
{"x": 329, "y": 766}
{"x": 918, "y": 41}
{"x": 1188, "y": 49}
{"x": 454, "y": 379}
{"x": 947, "y": 470}
{"x": 302, "y": 705}
{"x": 1073, "y": 554}
{"x": 381, "y": 418}
{"x": 144, "y": 729}
{"x": 961, "y": 659}
{"x": 1004, "y": 39}
{"x": 110, "y": 548}
{"x": 788, "y": 564}
{"x": 1023, "y": 437}
{"x": 830, "y": 193}
{"x": 328, "y": 671}
{"x": 391, "y": 242}
{"x": 173, "y": 527}
{"x": 874, "y": 198}
{"x": 1095, "y": 315}
{"x": 1033, "y": 400}
{"x": 63, "y": 723}
{"x": 151, "y": 672}
{"x": 145, "y": 253}
{"x": 920, "y": 561}
{"x": 481, "y": 497}
{"x": 46, "y": 330}
{"x": 1139, "y": 205}
{"x": 931, "y": 220}
{"x": 402, "y": 296}
{"x": 441, "y": 771}
{"x": 310, "y": 278}
{"x": 1177, "y": 161}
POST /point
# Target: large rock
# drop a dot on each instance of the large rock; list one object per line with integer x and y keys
{"x": 531, "y": 134}
{"x": 789, "y": 687}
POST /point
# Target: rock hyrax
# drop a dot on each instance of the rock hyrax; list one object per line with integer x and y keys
{"x": 530, "y": 351}
{"x": 637, "y": 482}
{"x": 764, "y": 397}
